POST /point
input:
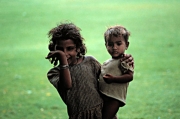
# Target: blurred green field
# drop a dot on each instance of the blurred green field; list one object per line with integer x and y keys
{"x": 154, "y": 43}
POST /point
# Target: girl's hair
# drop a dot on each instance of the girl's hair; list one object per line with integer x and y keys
{"x": 66, "y": 31}
{"x": 116, "y": 31}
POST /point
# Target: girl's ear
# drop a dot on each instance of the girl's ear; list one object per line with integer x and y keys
{"x": 78, "y": 50}
{"x": 105, "y": 44}
{"x": 51, "y": 47}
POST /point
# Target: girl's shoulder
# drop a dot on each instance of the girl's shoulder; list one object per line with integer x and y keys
{"x": 54, "y": 70}
{"x": 89, "y": 58}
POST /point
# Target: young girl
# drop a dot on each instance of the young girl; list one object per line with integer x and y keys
{"x": 75, "y": 76}
{"x": 115, "y": 73}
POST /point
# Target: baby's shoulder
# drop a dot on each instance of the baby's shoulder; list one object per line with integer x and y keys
{"x": 111, "y": 61}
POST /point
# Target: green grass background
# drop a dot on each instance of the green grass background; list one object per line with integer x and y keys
{"x": 25, "y": 92}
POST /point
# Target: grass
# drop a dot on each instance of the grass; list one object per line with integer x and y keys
{"x": 154, "y": 43}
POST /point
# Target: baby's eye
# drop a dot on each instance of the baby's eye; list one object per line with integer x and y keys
{"x": 118, "y": 44}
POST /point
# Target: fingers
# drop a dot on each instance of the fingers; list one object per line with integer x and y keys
{"x": 127, "y": 58}
{"x": 52, "y": 58}
{"x": 132, "y": 64}
{"x": 49, "y": 56}
{"x": 55, "y": 62}
{"x": 107, "y": 75}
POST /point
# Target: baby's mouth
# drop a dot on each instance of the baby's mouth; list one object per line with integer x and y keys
{"x": 114, "y": 52}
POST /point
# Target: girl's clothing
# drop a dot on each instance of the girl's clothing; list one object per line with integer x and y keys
{"x": 83, "y": 100}
{"x": 114, "y": 90}
{"x": 94, "y": 113}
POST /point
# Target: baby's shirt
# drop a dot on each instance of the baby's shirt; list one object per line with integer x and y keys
{"x": 114, "y": 90}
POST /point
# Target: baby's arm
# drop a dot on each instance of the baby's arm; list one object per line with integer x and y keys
{"x": 127, "y": 77}
{"x": 65, "y": 77}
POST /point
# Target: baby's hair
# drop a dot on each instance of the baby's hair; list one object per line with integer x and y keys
{"x": 65, "y": 31}
{"x": 116, "y": 31}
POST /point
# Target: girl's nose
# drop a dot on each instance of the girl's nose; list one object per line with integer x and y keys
{"x": 65, "y": 52}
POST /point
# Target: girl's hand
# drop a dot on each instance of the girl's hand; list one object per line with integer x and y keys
{"x": 108, "y": 78}
{"x": 128, "y": 59}
{"x": 55, "y": 56}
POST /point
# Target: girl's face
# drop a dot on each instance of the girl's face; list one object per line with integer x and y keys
{"x": 69, "y": 48}
{"x": 116, "y": 47}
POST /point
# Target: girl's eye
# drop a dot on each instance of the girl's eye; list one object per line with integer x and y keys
{"x": 71, "y": 48}
{"x": 110, "y": 44}
{"x": 58, "y": 48}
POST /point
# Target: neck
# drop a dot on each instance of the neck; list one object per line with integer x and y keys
{"x": 120, "y": 56}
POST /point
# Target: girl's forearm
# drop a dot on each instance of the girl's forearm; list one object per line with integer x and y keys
{"x": 65, "y": 77}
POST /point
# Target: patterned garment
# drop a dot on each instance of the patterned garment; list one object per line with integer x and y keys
{"x": 114, "y": 90}
{"x": 83, "y": 98}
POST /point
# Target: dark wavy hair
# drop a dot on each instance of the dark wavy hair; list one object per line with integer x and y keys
{"x": 65, "y": 31}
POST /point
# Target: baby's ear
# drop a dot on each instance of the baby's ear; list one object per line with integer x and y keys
{"x": 127, "y": 45}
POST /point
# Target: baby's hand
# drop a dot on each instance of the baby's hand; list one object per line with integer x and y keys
{"x": 108, "y": 78}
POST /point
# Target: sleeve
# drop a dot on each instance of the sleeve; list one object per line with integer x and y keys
{"x": 97, "y": 67}
{"x": 125, "y": 67}
{"x": 53, "y": 76}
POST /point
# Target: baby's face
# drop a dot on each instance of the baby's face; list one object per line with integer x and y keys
{"x": 116, "y": 46}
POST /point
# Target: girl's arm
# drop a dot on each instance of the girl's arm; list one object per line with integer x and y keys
{"x": 127, "y": 77}
{"x": 128, "y": 59}
{"x": 65, "y": 77}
